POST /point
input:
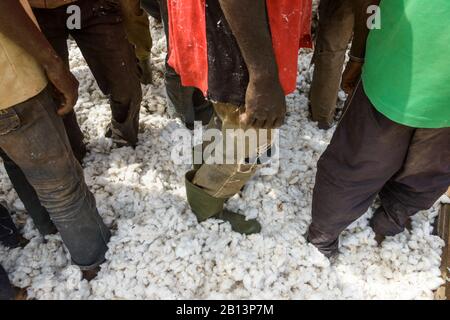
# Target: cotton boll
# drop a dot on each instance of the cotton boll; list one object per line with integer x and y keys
{"x": 158, "y": 250}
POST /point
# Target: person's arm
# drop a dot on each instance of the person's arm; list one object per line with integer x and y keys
{"x": 353, "y": 69}
{"x": 18, "y": 26}
{"x": 49, "y": 4}
{"x": 265, "y": 104}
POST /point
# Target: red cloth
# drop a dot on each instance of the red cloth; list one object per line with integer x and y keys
{"x": 290, "y": 24}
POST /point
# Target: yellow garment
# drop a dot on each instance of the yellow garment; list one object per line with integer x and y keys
{"x": 21, "y": 77}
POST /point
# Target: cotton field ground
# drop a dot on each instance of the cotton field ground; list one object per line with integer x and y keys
{"x": 159, "y": 251}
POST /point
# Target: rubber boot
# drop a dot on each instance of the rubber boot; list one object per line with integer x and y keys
{"x": 6, "y": 290}
{"x": 206, "y": 206}
{"x": 197, "y": 152}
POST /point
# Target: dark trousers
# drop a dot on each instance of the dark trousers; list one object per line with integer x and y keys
{"x": 188, "y": 102}
{"x": 28, "y": 196}
{"x": 6, "y": 291}
{"x": 105, "y": 47}
{"x": 34, "y": 137}
{"x": 370, "y": 155}
{"x": 336, "y": 20}
{"x": 152, "y": 7}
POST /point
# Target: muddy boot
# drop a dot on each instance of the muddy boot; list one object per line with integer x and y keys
{"x": 239, "y": 223}
{"x": 9, "y": 236}
{"x": 206, "y": 206}
{"x": 123, "y": 134}
{"x": 6, "y": 290}
{"x": 145, "y": 71}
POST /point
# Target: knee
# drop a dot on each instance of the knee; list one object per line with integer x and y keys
{"x": 62, "y": 195}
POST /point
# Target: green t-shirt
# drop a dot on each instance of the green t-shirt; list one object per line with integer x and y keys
{"x": 407, "y": 71}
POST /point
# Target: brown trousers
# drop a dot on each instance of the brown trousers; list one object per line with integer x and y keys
{"x": 103, "y": 43}
{"x": 137, "y": 27}
{"x": 369, "y": 154}
{"x": 336, "y": 20}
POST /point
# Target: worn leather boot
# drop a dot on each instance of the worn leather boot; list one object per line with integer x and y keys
{"x": 206, "y": 206}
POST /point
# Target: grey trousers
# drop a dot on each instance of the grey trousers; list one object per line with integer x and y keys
{"x": 33, "y": 136}
{"x": 370, "y": 155}
{"x": 336, "y": 20}
{"x": 188, "y": 103}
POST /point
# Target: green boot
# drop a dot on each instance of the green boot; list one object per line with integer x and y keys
{"x": 206, "y": 206}
{"x": 198, "y": 149}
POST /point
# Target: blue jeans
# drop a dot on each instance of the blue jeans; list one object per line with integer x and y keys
{"x": 33, "y": 136}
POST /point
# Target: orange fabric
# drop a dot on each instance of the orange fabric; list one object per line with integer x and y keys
{"x": 290, "y": 24}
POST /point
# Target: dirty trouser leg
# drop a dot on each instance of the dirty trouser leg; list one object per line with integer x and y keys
{"x": 187, "y": 103}
{"x": 335, "y": 30}
{"x": 424, "y": 177}
{"x": 366, "y": 150}
{"x": 53, "y": 25}
{"x": 137, "y": 28}
{"x": 33, "y": 136}
{"x": 103, "y": 42}
{"x": 6, "y": 290}
{"x": 152, "y": 7}
{"x": 225, "y": 180}
{"x": 28, "y": 196}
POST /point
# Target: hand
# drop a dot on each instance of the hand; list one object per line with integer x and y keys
{"x": 265, "y": 104}
{"x": 65, "y": 84}
{"x": 351, "y": 76}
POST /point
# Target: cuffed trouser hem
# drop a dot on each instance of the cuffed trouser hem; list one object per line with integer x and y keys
{"x": 90, "y": 267}
{"x": 326, "y": 243}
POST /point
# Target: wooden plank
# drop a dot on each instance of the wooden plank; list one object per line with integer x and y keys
{"x": 443, "y": 229}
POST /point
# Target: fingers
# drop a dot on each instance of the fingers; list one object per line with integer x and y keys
{"x": 69, "y": 102}
{"x": 247, "y": 120}
{"x": 278, "y": 122}
{"x": 63, "y": 110}
{"x": 345, "y": 88}
{"x": 259, "y": 123}
{"x": 348, "y": 87}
